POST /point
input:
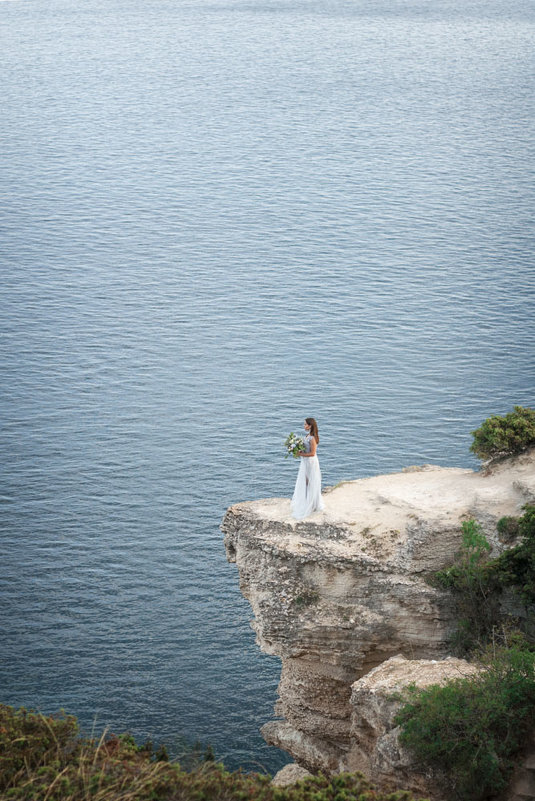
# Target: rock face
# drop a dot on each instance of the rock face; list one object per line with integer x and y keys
{"x": 337, "y": 594}
{"x": 290, "y": 774}
{"x": 375, "y": 749}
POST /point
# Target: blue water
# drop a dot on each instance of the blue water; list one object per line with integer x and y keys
{"x": 216, "y": 219}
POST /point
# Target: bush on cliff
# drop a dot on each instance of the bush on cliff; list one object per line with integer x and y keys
{"x": 505, "y": 436}
{"x": 476, "y": 596}
{"x": 515, "y": 567}
{"x": 472, "y": 728}
{"x": 478, "y": 582}
{"x": 44, "y": 758}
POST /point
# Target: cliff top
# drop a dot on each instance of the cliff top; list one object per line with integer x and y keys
{"x": 393, "y": 516}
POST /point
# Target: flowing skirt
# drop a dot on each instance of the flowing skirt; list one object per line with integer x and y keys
{"x": 307, "y": 493}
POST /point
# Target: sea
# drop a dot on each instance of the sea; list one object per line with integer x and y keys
{"x": 218, "y": 217}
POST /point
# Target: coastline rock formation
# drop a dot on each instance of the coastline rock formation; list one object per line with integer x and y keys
{"x": 340, "y": 593}
{"x": 375, "y": 747}
{"x": 290, "y": 774}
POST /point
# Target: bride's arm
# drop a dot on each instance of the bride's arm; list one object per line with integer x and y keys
{"x": 313, "y": 446}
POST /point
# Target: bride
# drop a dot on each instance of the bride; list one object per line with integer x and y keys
{"x": 307, "y": 493}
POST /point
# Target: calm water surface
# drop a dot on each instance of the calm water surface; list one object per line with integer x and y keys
{"x": 217, "y": 218}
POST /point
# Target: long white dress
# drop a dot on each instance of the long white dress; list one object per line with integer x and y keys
{"x": 307, "y": 493}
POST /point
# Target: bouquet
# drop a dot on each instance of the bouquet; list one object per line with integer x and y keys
{"x": 294, "y": 445}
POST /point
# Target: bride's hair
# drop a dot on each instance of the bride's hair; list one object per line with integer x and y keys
{"x": 313, "y": 428}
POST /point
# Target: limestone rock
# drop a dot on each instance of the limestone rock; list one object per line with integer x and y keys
{"x": 375, "y": 749}
{"x": 289, "y": 774}
{"x": 337, "y": 594}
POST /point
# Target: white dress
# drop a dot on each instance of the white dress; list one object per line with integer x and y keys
{"x": 307, "y": 493}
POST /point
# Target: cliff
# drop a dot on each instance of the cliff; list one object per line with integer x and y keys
{"x": 338, "y": 594}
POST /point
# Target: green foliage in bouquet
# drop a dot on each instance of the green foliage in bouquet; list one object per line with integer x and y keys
{"x": 294, "y": 445}
{"x": 471, "y": 728}
{"x": 505, "y": 436}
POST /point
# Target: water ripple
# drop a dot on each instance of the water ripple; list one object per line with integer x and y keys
{"x": 217, "y": 219}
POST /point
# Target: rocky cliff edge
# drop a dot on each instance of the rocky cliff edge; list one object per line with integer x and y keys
{"x": 338, "y": 594}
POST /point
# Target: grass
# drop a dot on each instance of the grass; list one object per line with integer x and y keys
{"x": 44, "y": 758}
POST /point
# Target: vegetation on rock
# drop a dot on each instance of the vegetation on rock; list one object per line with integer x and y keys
{"x": 476, "y": 597}
{"x": 479, "y": 583}
{"x": 505, "y": 436}
{"x": 472, "y": 728}
{"x": 515, "y": 568}
{"x": 44, "y": 758}
{"x": 469, "y": 729}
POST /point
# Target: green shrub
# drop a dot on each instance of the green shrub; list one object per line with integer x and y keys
{"x": 471, "y": 729}
{"x": 45, "y": 759}
{"x": 507, "y": 528}
{"x": 29, "y": 740}
{"x": 505, "y": 436}
{"x": 478, "y": 583}
{"x": 307, "y": 598}
{"x": 516, "y": 566}
{"x": 476, "y": 595}
{"x": 467, "y": 569}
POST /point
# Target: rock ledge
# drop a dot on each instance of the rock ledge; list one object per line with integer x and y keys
{"x": 337, "y": 595}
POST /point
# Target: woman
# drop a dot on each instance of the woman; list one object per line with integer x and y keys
{"x": 307, "y": 494}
